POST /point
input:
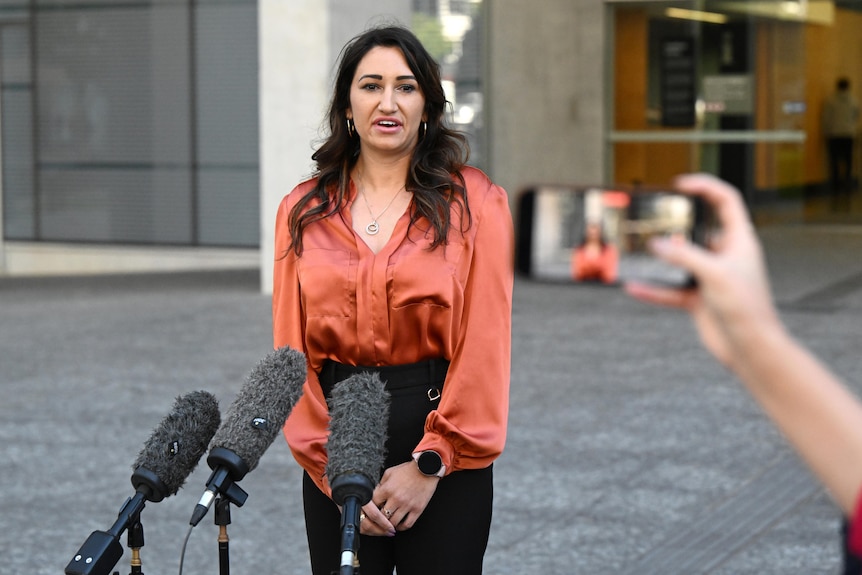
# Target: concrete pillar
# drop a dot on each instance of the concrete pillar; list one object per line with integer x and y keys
{"x": 545, "y": 92}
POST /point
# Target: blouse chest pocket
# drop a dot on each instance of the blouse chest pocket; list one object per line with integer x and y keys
{"x": 327, "y": 282}
{"x": 423, "y": 277}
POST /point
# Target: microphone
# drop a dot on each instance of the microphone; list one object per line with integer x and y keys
{"x": 252, "y": 422}
{"x": 359, "y": 413}
{"x": 166, "y": 460}
{"x": 175, "y": 447}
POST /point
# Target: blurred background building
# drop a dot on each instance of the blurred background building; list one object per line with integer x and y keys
{"x": 161, "y": 134}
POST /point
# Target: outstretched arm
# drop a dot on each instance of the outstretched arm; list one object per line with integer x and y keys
{"x": 733, "y": 311}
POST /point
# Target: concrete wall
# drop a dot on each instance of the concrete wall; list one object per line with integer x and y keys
{"x": 546, "y": 92}
{"x": 57, "y": 258}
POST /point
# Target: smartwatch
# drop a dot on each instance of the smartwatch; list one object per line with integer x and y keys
{"x": 430, "y": 463}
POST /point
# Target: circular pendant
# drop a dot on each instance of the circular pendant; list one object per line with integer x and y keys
{"x": 372, "y": 228}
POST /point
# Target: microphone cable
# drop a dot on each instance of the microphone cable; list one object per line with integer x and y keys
{"x": 183, "y": 550}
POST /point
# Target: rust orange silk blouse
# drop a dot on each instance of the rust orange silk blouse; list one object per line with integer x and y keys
{"x": 340, "y": 301}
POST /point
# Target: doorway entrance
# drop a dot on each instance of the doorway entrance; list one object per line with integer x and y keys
{"x": 736, "y": 89}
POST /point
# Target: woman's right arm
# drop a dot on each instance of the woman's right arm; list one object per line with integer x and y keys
{"x": 306, "y": 427}
{"x": 737, "y": 321}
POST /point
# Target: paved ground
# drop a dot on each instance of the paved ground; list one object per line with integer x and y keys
{"x": 630, "y": 450}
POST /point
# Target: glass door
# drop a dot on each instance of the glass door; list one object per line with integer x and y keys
{"x": 731, "y": 88}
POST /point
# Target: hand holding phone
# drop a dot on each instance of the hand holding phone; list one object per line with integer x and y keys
{"x": 601, "y": 235}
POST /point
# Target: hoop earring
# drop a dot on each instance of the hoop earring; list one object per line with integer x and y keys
{"x": 351, "y": 127}
{"x": 423, "y": 129}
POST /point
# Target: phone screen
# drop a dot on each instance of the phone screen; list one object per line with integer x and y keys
{"x": 600, "y": 235}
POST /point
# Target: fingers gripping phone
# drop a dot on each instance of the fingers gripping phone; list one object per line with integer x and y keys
{"x": 600, "y": 235}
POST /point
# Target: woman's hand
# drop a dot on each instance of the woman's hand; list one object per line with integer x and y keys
{"x": 372, "y": 521}
{"x": 732, "y": 301}
{"x": 403, "y": 494}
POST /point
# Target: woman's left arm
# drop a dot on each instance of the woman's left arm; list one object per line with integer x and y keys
{"x": 468, "y": 428}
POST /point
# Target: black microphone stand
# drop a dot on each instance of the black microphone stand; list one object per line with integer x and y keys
{"x": 350, "y": 537}
{"x": 351, "y": 491}
{"x": 222, "y": 519}
{"x": 102, "y": 549}
{"x": 135, "y": 540}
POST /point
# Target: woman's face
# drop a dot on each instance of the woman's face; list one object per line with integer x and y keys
{"x": 386, "y": 104}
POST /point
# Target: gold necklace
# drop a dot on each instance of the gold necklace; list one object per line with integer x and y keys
{"x": 373, "y": 228}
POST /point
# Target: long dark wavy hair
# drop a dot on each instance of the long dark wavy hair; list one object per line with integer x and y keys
{"x": 434, "y": 176}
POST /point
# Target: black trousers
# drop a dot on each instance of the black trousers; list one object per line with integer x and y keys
{"x": 451, "y": 535}
{"x": 841, "y": 163}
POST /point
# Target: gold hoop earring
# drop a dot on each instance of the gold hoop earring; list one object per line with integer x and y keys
{"x": 351, "y": 127}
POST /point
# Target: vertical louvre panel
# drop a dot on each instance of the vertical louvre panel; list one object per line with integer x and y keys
{"x": 227, "y": 120}
{"x": 18, "y": 200}
{"x": 109, "y": 158}
{"x": 113, "y": 123}
{"x": 17, "y": 135}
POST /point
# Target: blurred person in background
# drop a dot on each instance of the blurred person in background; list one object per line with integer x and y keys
{"x": 840, "y": 126}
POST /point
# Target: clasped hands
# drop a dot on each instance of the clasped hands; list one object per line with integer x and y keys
{"x": 398, "y": 501}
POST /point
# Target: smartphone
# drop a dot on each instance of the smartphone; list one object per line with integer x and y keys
{"x": 600, "y": 234}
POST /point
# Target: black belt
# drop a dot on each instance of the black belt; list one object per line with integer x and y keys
{"x": 394, "y": 376}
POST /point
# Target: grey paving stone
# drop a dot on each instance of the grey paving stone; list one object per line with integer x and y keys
{"x": 626, "y": 440}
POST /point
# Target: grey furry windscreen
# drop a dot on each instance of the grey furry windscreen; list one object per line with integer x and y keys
{"x": 359, "y": 415}
{"x": 177, "y": 444}
{"x": 261, "y": 407}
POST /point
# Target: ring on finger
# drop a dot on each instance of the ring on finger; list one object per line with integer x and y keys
{"x": 387, "y": 513}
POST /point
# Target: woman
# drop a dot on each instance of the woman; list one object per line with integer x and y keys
{"x": 397, "y": 257}
{"x": 594, "y": 259}
{"x": 738, "y": 323}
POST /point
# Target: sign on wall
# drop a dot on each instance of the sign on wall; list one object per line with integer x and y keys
{"x": 678, "y": 76}
{"x": 728, "y": 94}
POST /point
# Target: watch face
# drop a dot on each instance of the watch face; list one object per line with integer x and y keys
{"x": 429, "y": 463}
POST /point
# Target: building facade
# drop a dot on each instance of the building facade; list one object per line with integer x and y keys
{"x": 161, "y": 134}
